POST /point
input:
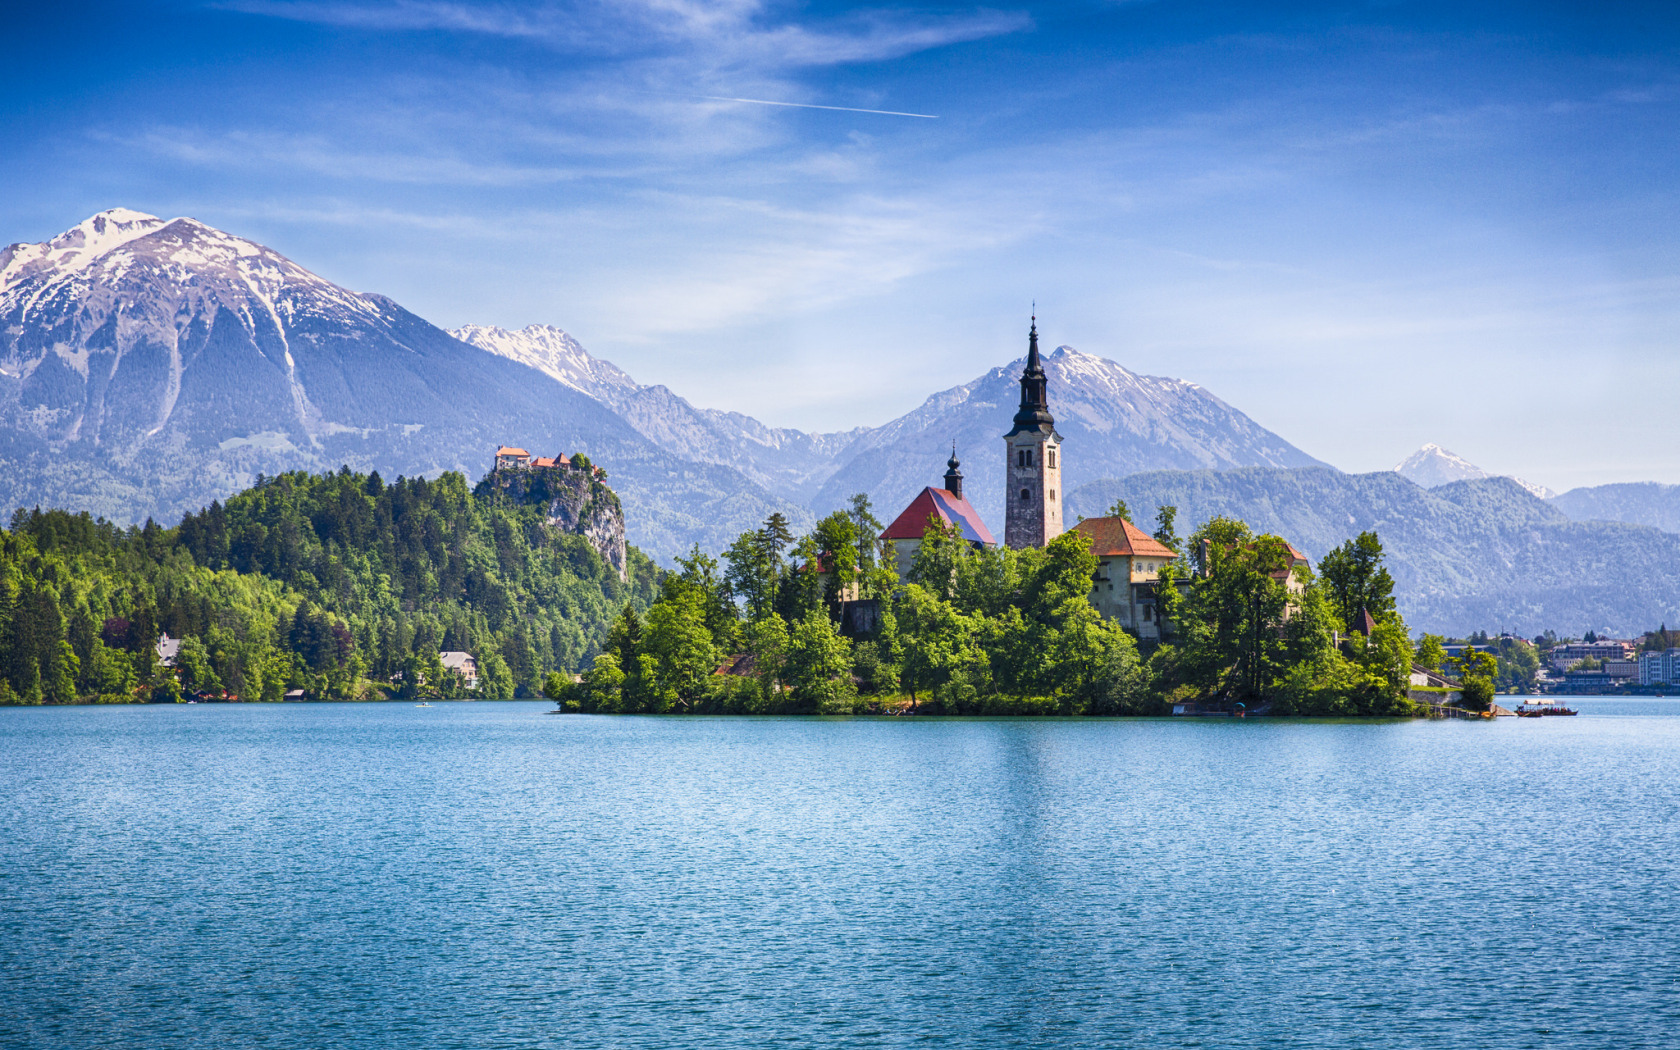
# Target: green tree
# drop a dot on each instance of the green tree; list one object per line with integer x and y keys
{"x": 1165, "y": 534}
{"x": 495, "y": 681}
{"x": 935, "y": 563}
{"x": 1355, "y": 579}
{"x": 193, "y": 661}
{"x": 767, "y": 641}
{"x": 751, "y": 574}
{"x": 1430, "y": 652}
{"x": 868, "y": 529}
{"x": 942, "y": 654}
{"x": 818, "y": 667}
{"x": 1120, "y": 510}
{"x": 836, "y": 538}
{"x": 680, "y": 645}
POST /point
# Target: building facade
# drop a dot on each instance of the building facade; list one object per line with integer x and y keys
{"x": 1659, "y": 668}
{"x": 1032, "y": 514}
{"x": 1128, "y": 571}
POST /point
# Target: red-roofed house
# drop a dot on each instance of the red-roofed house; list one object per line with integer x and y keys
{"x": 557, "y": 461}
{"x": 512, "y": 458}
{"x": 945, "y": 505}
{"x": 1129, "y": 564}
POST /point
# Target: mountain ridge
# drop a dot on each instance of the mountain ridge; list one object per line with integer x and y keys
{"x": 150, "y": 366}
{"x": 1477, "y": 554}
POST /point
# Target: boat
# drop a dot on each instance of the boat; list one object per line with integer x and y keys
{"x": 422, "y": 704}
{"x": 1543, "y": 708}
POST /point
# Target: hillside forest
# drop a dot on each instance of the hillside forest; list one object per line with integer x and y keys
{"x": 337, "y": 584}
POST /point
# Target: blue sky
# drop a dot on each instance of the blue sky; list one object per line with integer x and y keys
{"x": 1367, "y": 225}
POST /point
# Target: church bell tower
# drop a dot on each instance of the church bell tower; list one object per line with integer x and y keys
{"x": 1033, "y": 470}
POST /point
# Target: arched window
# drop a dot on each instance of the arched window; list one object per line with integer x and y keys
{"x": 1025, "y": 494}
{"x": 1052, "y": 461}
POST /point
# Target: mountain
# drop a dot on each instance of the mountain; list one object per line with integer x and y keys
{"x": 1433, "y": 465}
{"x": 150, "y": 366}
{"x": 1115, "y": 422}
{"x": 1483, "y": 553}
{"x": 1639, "y": 503}
{"x": 782, "y": 460}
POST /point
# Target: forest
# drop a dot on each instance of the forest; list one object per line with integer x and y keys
{"x": 336, "y": 584}
{"x": 977, "y": 630}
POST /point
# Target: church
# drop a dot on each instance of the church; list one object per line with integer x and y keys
{"x": 1130, "y": 560}
{"x": 1033, "y": 481}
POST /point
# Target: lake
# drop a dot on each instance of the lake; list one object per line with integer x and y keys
{"x": 488, "y": 875}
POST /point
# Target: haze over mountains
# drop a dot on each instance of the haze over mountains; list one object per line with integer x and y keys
{"x": 150, "y": 366}
{"x": 1433, "y": 465}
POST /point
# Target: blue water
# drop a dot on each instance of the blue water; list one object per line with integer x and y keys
{"x": 486, "y": 875}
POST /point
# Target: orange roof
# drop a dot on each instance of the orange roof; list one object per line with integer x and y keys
{"x": 505, "y": 451}
{"x": 542, "y": 461}
{"x": 1111, "y": 537}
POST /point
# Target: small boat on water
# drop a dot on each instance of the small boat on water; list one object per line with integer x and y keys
{"x": 1543, "y": 708}
{"x": 422, "y": 704}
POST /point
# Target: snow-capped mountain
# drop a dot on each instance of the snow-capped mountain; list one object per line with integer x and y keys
{"x": 1433, "y": 465}
{"x": 781, "y": 459}
{"x": 148, "y": 366}
{"x": 555, "y": 353}
{"x": 1115, "y": 422}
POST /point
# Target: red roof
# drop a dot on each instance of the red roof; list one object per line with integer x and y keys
{"x": 505, "y": 451}
{"x": 943, "y": 506}
{"x": 1111, "y": 537}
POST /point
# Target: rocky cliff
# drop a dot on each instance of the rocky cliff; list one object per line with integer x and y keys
{"x": 575, "y": 498}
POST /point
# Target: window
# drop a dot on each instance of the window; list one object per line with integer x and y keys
{"x": 1052, "y": 460}
{"x": 1020, "y": 457}
{"x": 1025, "y": 495}
{"x": 1052, "y": 493}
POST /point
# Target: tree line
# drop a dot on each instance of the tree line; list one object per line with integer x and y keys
{"x": 336, "y": 584}
{"x": 990, "y": 630}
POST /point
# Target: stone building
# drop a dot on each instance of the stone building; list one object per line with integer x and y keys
{"x": 1032, "y": 514}
{"x": 1129, "y": 566}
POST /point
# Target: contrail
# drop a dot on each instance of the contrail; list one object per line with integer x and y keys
{"x": 807, "y": 105}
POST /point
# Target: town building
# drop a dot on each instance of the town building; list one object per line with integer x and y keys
{"x": 1561, "y": 657}
{"x": 462, "y": 664}
{"x": 943, "y": 505}
{"x": 1659, "y": 668}
{"x": 1129, "y": 566}
{"x": 1032, "y": 515}
{"x": 168, "y": 649}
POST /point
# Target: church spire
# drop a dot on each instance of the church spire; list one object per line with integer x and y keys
{"x": 1035, "y": 399}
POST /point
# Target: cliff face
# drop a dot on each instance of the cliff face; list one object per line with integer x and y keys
{"x": 576, "y": 500}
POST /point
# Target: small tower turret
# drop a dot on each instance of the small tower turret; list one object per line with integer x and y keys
{"x": 953, "y": 476}
{"x": 1032, "y": 513}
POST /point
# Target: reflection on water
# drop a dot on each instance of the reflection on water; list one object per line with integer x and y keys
{"x": 486, "y": 875}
